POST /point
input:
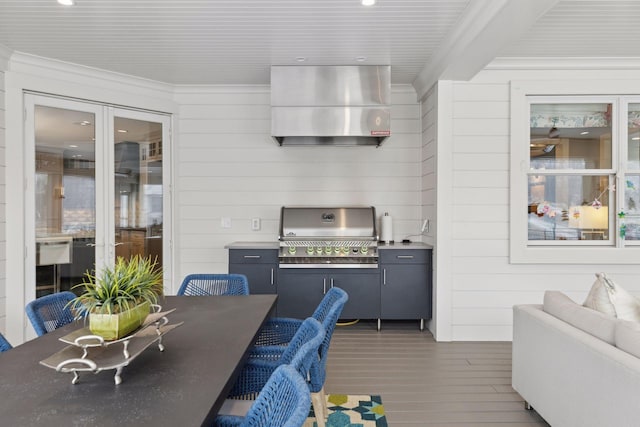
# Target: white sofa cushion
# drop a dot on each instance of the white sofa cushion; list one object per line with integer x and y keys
{"x": 628, "y": 337}
{"x": 610, "y": 298}
{"x": 593, "y": 322}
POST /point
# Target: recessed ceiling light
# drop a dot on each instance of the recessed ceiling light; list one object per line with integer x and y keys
{"x": 368, "y": 2}
{"x": 301, "y": 59}
{"x": 66, "y": 2}
{"x": 636, "y": 138}
{"x": 123, "y": 130}
{"x": 584, "y": 133}
{"x": 73, "y": 146}
{"x": 361, "y": 58}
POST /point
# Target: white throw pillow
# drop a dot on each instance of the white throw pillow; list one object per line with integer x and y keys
{"x": 610, "y": 298}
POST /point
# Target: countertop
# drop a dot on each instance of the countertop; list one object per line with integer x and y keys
{"x": 252, "y": 245}
{"x": 398, "y": 245}
{"x": 54, "y": 238}
{"x": 276, "y": 245}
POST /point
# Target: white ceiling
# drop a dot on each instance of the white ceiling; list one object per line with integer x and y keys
{"x": 236, "y": 41}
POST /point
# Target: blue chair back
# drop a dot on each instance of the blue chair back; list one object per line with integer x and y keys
{"x": 4, "y": 344}
{"x": 301, "y": 353}
{"x": 214, "y": 284}
{"x": 303, "y": 349}
{"x": 327, "y": 313}
{"x": 50, "y": 312}
{"x": 283, "y": 402}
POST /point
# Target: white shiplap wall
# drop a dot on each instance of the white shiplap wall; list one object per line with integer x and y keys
{"x": 484, "y": 285}
{"x": 428, "y": 190}
{"x": 4, "y": 58}
{"x": 429, "y": 112}
{"x": 227, "y": 165}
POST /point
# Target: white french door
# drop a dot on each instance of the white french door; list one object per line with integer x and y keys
{"x": 97, "y": 188}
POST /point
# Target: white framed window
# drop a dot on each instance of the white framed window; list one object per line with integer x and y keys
{"x": 575, "y": 173}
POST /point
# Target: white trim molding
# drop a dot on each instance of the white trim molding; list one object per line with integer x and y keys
{"x": 555, "y": 63}
{"x": 5, "y": 55}
{"x": 520, "y": 251}
{"x": 443, "y": 253}
{"x": 483, "y": 30}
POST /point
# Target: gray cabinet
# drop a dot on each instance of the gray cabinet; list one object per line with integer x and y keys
{"x": 400, "y": 288}
{"x": 363, "y": 287}
{"x": 405, "y": 284}
{"x": 301, "y": 290}
{"x": 259, "y": 265}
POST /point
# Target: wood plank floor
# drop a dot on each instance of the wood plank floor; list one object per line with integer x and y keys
{"x": 424, "y": 383}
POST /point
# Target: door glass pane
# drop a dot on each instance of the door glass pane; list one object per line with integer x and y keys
{"x": 570, "y": 136}
{"x": 633, "y": 144}
{"x": 570, "y": 207}
{"x": 138, "y": 188}
{"x": 631, "y": 219}
{"x": 64, "y": 197}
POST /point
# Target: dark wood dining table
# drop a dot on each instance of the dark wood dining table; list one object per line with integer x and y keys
{"x": 185, "y": 385}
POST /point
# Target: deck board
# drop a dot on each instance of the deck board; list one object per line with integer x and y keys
{"x": 425, "y": 383}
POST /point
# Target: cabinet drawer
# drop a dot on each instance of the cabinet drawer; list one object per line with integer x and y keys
{"x": 253, "y": 256}
{"x": 404, "y": 256}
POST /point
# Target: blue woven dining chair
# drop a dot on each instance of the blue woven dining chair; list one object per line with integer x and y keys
{"x": 277, "y": 333}
{"x": 214, "y": 284}
{"x": 50, "y": 312}
{"x": 4, "y": 344}
{"x": 301, "y": 353}
{"x": 283, "y": 402}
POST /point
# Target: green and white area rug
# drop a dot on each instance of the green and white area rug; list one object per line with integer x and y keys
{"x": 352, "y": 411}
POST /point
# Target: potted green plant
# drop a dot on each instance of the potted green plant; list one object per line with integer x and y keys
{"x": 117, "y": 299}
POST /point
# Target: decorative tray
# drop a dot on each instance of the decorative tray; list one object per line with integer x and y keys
{"x": 87, "y": 352}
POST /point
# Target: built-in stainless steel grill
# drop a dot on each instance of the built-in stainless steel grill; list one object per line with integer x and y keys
{"x": 325, "y": 237}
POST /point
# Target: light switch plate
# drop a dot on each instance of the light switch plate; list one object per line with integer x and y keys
{"x": 225, "y": 222}
{"x": 255, "y": 224}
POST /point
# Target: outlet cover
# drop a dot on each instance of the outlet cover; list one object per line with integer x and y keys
{"x": 255, "y": 224}
{"x": 225, "y": 222}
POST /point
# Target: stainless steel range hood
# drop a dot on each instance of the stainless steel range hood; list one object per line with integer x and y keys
{"x": 330, "y": 105}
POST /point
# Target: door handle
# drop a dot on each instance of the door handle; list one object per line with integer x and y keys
{"x": 117, "y": 244}
{"x": 272, "y": 282}
{"x": 405, "y": 257}
{"x": 324, "y": 286}
{"x": 332, "y": 282}
{"x": 384, "y": 276}
{"x": 252, "y": 256}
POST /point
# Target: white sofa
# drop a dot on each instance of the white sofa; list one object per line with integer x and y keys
{"x": 576, "y": 366}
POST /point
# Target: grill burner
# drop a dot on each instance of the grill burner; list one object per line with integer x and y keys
{"x": 313, "y": 237}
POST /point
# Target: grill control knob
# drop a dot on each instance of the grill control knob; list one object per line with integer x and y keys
{"x": 328, "y": 250}
{"x": 364, "y": 250}
{"x": 310, "y": 250}
{"x": 319, "y": 250}
{"x": 292, "y": 250}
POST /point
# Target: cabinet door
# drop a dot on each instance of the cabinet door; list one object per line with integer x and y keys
{"x": 261, "y": 277}
{"x": 300, "y": 292}
{"x": 363, "y": 288}
{"x": 405, "y": 291}
{"x": 259, "y": 265}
